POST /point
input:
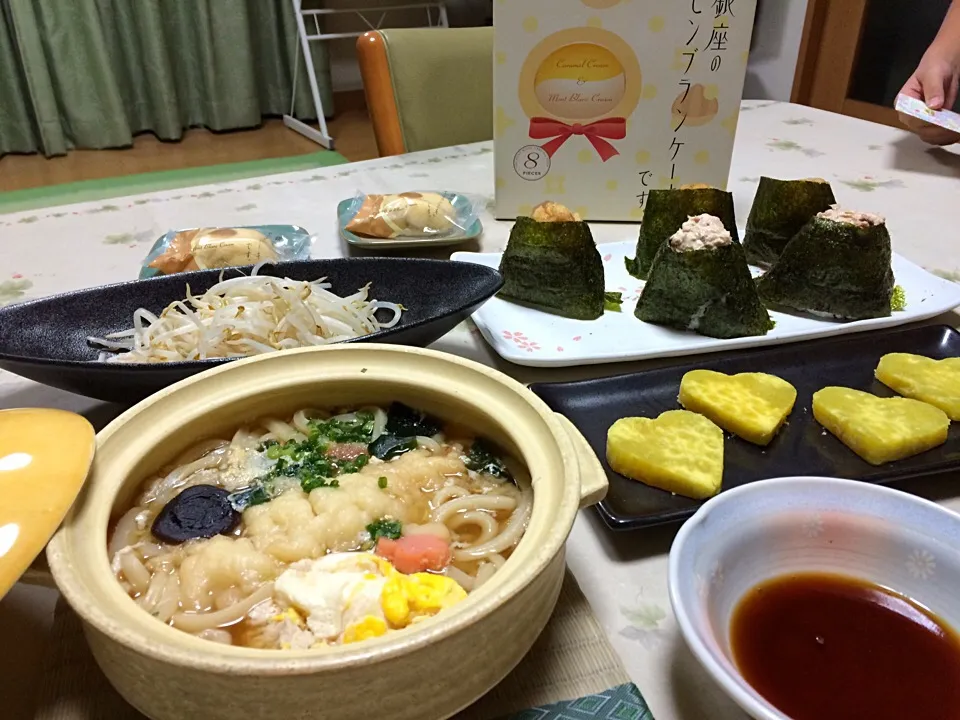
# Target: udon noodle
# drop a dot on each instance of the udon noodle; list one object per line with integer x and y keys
{"x": 318, "y": 530}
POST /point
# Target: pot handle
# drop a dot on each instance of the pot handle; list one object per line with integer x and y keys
{"x": 593, "y": 478}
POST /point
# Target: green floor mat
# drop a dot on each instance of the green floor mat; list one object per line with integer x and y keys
{"x": 86, "y": 190}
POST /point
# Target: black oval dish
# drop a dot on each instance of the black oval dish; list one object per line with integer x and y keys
{"x": 46, "y": 339}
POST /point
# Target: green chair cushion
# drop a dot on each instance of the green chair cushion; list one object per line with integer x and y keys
{"x": 443, "y": 84}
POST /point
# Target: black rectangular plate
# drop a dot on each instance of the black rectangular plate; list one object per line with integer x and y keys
{"x": 802, "y": 447}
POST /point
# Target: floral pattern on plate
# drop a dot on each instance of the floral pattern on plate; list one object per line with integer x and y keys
{"x": 521, "y": 341}
{"x": 921, "y": 564}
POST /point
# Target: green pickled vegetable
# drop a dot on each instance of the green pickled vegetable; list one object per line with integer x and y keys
{"x": 709, "y": 291}
{"x": 833, "y": 268}
{"x": 898, "y": 301}
{"x": 780, "y": 210}
{"x": 554, "y": 267}
{"x": 613, "y": 301}
{"x": 667, "y": 210}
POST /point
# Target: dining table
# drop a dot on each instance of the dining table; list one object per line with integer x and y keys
{"x": 872, "y": 167}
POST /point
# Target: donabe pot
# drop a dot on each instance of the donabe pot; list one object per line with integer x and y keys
{"x": 425, "y": 672}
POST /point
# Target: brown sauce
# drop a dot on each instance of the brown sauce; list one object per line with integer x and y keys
{"x": 828, "y": 647}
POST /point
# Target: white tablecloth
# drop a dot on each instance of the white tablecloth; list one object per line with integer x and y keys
{"x": 871, "y": 167}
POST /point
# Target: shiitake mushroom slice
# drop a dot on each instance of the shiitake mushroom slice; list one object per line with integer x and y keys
{"x": 201, "y": 511}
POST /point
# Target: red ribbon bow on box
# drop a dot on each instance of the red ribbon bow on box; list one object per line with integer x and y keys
{"x": 595, "y": 132}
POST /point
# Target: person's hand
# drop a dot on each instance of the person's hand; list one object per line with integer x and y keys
{"x": 935, "y": 82}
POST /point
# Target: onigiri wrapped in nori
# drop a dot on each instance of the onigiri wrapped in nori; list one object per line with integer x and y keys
{"x": 552, "y": 264}
{"x": 667, "y": 210}
{"x": 699, "y": 281}
{"x": 780, "y": 210}
{"x": 838, "y": 265}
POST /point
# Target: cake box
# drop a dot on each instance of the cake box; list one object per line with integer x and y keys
{"x": 597, "y": 102}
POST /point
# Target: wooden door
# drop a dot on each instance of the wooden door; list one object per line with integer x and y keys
{"x": 855, "y": 55}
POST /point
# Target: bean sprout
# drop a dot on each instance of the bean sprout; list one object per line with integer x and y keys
{"x": 245, "y": 316}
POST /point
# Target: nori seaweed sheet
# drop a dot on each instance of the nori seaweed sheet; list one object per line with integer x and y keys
{"x": 833, "y": 268}
{"x": 667, "y": 210}
{"x": 780, "y": 210}
{"x": 554, "y": 267}
{"x": 709, "y": 291}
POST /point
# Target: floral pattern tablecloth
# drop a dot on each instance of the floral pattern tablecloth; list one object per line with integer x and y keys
{"x": 871, "y": 167}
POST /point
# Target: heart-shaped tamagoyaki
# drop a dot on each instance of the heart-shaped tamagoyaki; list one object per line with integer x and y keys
{"x": 753, "y": 406}
{"x": 880, "y": 430}
{"x": 680, "y": 452}
{"x": 936, "y": 382}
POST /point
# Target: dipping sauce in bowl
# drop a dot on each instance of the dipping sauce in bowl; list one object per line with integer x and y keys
{"x": 823, "y": 646}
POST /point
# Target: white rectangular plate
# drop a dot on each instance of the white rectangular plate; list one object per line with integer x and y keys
{"x": 529, "y": 337}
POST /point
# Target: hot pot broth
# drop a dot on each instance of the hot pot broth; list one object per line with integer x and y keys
{"x": 320, "y": 529}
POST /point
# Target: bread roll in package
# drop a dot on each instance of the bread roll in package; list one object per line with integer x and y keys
{"x": 411, "y": 214}
{"x": 221, "y": 247}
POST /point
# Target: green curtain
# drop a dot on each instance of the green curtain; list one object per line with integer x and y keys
{"x": 93, "y": 73}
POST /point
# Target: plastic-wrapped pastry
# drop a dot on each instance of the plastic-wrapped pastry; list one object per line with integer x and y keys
{"x": 208, "y": 248}
{"x": 406, "y": 214}
{"x": 229, "y": 247}
{"x": 178, "y": 255}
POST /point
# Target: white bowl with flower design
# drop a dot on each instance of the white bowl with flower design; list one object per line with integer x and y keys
{"x": 772, "y": 528}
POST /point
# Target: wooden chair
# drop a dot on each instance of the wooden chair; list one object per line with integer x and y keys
{"x": 428, "y": 88}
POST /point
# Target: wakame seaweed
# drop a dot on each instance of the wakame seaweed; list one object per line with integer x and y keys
{"x": 667, "y": 210}
{"x": 833, "y": 268}
{"x": 387, "y": 447}
{"x": 256, "y": 494}
{"x": 482, "y": 459}
{"x": 780, "y": 210}
{"x": 554, "y": 267}
{"x": 709, "y": 291}
{"x": 404, "y": 421}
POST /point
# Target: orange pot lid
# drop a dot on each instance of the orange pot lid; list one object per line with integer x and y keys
{"x": 44, "y": 459}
